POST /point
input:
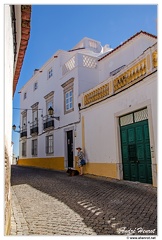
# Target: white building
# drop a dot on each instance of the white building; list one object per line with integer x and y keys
{"x": 17, "y": 32}
{"x": 90, "y": 88}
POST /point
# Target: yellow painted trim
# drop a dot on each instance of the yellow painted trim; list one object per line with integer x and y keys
{"x": 154, "y": 59}
{"x": 102, "y": 169}
{"x": 130, "y": 76}
{"x": 56, "y": 163}
{"x": 96, "y": 94}
{"x": 148, "y": 62}
{"x": 83, "y": 134}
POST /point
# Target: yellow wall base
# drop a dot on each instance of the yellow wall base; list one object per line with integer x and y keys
{"x": 101, "y": 169}
{"x": 56, "y": 163}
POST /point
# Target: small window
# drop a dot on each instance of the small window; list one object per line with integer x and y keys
{"x": 50, "y": 73}
{"x": 35, "y": 86}
{"x": 25, "y": 95}
{"x": 49, "y": 144}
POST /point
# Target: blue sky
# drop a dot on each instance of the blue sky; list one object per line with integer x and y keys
{"x": 55, "y": 27}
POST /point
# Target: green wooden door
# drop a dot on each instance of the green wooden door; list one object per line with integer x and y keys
{"x": 136, "y": 156}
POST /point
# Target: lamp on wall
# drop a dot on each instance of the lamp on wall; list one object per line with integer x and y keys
{"x": 50, "y": 112}
{"x": 14, "y": 128}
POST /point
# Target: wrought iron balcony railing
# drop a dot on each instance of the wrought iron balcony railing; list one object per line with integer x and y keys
{"x": 23, "y": 132}
{"x": 34, "y": 128}
{"x": 48, "y": 122}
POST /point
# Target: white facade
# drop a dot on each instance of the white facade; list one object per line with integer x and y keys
{"x": 76, "y": 68}
{"x": 102, "y": 121}
{"x": 102, "y": 130}
{"x": 89, "y": 75}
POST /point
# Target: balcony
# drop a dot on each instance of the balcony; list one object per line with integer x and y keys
{"x": 23, "y": 132}
{"x": 34, "y": 128}
{"x": 48, "y": 123}
{"x": 123, "y": 77}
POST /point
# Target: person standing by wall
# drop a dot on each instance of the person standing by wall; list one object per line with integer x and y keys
{"x": 81, "y": 161}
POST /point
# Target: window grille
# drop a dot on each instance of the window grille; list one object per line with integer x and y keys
{"x": 68, "y": 66}
{"x": 134, "y": 117}
{"x": 24, "y": 149}
{"x": 141, "y": 115}
{"x": 89, "y": 62}
{"x": 125, "y": 120}
{"x": 49, "y": 144}
{"x": 34, "y": 147}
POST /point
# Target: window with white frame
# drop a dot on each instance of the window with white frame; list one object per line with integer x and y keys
{"x": 69, "y": 100}
{"x": 34, "y": 147}
{"x": 49, "y": 101}
{"x": 24, "y": 120}
{"x": 49, "y": 144}
{"x": 35, "y": 115}
{"x": 68, "y": 96}
{"x": 35, "y": 85}
{"x": 50, "y": 73}
{"x": 24, "y": 149}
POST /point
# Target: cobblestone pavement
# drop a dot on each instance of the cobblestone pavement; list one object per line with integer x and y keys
{"x": 46, "y": 202}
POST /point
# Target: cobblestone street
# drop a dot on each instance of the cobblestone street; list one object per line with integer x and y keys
{"x": 46, "y": 202}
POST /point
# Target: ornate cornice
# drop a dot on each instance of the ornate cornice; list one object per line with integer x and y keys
{"x": 49, "y": 95}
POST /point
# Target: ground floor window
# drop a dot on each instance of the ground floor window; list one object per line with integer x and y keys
{"x": 49, "y": 144}
{"x": 24, "y": 149}
{"x": 34, "y": 147}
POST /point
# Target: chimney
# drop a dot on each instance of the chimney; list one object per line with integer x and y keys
{"x": 36, "y": 70}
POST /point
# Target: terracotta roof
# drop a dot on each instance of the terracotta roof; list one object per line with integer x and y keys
{"x": 137, "y": 34}
{"x": 25, "y": 34}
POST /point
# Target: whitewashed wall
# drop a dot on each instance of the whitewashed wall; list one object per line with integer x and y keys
{"x": 101, "y": 136}
{"x": 44, "y": 87}
{"x": 9, "y": 69}
{"x": 8, "y": 97}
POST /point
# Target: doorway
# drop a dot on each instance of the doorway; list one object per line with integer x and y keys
{"x": 135, "y": 148}
{"x": 70, "y": 148}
